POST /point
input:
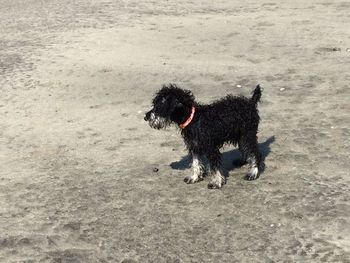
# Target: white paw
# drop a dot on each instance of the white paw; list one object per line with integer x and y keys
{"x": 252, "y": 174}
{"x": 217, "y": 182}
{"x": 191, "y": 179}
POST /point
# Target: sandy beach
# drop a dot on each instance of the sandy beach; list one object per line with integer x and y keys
{"x": 83, "y": 177}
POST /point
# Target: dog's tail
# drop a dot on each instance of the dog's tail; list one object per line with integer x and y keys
{"x": 256, "y": 95}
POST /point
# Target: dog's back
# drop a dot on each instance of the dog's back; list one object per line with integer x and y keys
{"x": 234, "y": 111}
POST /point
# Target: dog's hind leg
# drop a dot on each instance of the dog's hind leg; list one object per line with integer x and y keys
{"x": 241, "y": 161}
{"x": 248, "y": 146}
{"x": 217, "y": 179}
{"x": 198, "y": 170}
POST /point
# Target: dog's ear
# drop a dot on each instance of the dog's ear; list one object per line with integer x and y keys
{"x": 171, "y": 105}
{"x": 189, "y": 99}
{"x": 178, "y": 112}
{"x": 179, "y": 107}
{"x": 178, "y": 104}
{"x": 175, "y": 104}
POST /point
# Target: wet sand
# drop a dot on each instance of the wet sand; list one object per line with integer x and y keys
{"x": 77, "y": 180}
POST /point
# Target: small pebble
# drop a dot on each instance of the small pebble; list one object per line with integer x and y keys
{"x": 101, "y": 244}
{"x": 282, "y": 89}
{"x": 155, "y": 169}
{"x": 336, "y": 49}
{"x": 332, "y": 127}
{"x": 272, "y": 225}
{"x": 238, "y": 86}
{"x": 348, "y": 50}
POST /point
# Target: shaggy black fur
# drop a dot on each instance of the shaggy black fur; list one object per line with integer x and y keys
{"x": 232, "y": 119}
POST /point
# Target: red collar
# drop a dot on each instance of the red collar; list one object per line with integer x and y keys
{"x": 188, "y": 121}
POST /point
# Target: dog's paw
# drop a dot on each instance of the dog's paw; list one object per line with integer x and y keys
{"x": 217, "y": 183}
{"x": 252, "y": 174}
{"x": 213, "y": 185}
{"x": 191, "y": 179}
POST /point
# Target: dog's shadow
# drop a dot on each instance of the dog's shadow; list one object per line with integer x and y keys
{"x": 230, "y": 159}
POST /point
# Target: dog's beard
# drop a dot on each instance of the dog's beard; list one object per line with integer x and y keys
{"x": 158, "y": 122}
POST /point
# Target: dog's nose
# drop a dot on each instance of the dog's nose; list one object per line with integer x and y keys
{"x": 146, "y": 118}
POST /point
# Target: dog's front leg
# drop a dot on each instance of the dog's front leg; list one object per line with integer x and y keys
{"x": 217, "y": 179}
{"x": 198, "y": 170}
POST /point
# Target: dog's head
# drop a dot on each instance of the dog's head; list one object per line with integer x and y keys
{"x": 170, "y": 105}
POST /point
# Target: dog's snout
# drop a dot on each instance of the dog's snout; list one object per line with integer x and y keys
{"x": 147, "y": 116}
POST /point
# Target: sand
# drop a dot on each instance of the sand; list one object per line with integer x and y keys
{"x": 78, "y": 181}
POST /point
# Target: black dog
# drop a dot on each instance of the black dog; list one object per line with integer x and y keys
{"x": 206, "y": 128}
